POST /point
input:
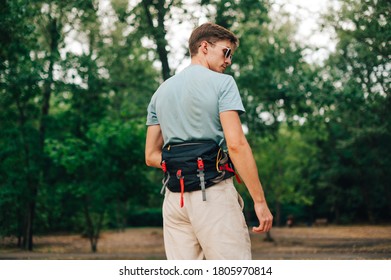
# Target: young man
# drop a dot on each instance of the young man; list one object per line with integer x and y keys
{"x": 201, "y": 103}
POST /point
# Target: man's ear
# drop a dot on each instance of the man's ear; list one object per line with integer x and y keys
{"x": 204, "y": 47}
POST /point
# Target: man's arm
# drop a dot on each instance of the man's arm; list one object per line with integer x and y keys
{"x": 153, "y": 146}
{"x": 243, "y": 159}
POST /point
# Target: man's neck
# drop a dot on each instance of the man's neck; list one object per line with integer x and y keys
{"x": 196, "y": 60}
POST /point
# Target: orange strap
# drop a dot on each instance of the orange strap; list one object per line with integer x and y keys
{"x": 229, "y": 169}
{"x": 182, "y": 183}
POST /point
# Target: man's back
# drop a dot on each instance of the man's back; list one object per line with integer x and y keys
{"x": 187, "y": 106}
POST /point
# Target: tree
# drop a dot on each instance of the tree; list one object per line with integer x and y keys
{"x": 53, "y": 96}
{"x": 150, "y": 18}
{"x": 20, "y": 78}
{"x": 102, "y": 110}
{"x": 102, "y": 170}
{"x": 286, "y": 164}
{"x": 357, "y": 118}
{"x": 275, "y": 83}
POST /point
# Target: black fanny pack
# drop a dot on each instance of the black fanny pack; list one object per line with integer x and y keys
{"x": 191, "y": 166}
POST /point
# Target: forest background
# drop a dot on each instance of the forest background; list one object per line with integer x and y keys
{"x": 76, "y": 78}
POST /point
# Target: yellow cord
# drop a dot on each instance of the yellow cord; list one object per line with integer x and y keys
{"x": 218, "y": 158}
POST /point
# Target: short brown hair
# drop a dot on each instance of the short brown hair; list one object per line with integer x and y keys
{"x": 212, "y": 33}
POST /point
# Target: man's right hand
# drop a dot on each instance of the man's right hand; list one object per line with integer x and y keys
{"x": 265, "y": 217}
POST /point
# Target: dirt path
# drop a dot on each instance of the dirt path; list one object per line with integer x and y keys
{"x": 319, "y": 243}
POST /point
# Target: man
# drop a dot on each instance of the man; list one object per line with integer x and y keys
{"x": 202, "y": 103}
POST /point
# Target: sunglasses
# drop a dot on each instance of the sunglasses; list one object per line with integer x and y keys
{"x": 227, "y": 51}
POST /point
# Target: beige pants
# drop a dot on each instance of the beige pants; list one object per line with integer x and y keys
{"x": 214, "y": 229}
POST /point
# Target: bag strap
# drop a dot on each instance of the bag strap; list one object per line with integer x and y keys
{"x": 201, "y": 175}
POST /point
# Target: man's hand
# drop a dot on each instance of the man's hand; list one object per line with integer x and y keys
{"x": 265, "y": 217}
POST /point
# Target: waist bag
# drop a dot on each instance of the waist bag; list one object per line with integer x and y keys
{"x": 191, "y": 166}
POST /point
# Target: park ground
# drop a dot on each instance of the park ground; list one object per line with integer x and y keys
{"x": 296, "y": 243}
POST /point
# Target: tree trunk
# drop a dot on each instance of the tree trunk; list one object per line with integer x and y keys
{"x": 268, "y": 237}
{"x": 93, "y": 230}
{"x": 159, "y": 33}
{"x": 26, "y": 237}
{"x": 278, "y": 213}
{"x": 47, "y": 91}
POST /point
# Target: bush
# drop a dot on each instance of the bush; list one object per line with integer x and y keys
{"x": 146, "y": 218}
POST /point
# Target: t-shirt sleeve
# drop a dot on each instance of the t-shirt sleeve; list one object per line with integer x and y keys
{"x": 151, "y": 114}
{"x": 229, "y": 98}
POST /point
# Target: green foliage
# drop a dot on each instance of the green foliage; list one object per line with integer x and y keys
{"x": 358, "y": 118}
{"x": 274, "y": 80}
{"x": 72, "y": 120}
{"x": 72, "y": 134}
{"x": 19, "y": 142}
{"x": 106, "y": 167}
{"x": 320, "y": 133}
{"x": 287, "y": 167}
{"x": 145, "y": 218}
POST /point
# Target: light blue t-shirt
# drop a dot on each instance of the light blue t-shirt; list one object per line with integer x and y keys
{"x": 188, "y": 105}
